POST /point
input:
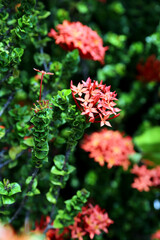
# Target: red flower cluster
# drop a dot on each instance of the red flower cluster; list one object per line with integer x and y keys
{"x": 150, "y": 70}
{"x": 96, "y": 101}
{"x": 75, "y": 35}
{"x": 92, "y": 220}
{"x": 146, "y": 178}
{"x": 156, "y": 235}
{"x": 110, "y": 147}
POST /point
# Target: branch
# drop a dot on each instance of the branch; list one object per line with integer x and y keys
{"x": 9, "y": 73}
{"x": 26, "y": 196}
{"x": 5, "y": 163}
{"x": 10, "y": 160}
{"x": 49, "y": 226}
{"x": 7, "y": 103}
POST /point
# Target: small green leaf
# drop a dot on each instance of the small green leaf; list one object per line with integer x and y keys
{"x": 3, "y": 191}
{"x": 57, "y": 224}
{"x": 51, "y": 198}
{"x": 35, "y": 182}
{"x": 13, "y": 151}
{"x": 44, "y": 15}
{"x": 2, "y": 131}
{"x": 34, "y": 192}
{"x": 41, "y": 154}
{"x": 5, "y": 212}
{"x": 82, "y": 8}
{"x": 8, "y": 200}
{"x": 29, "y": 141}
{"x": 71, "y": 169}
{"x": 59, "y": 161}
{"x": 55, "y": 171}
{"x": 15, "y": 188}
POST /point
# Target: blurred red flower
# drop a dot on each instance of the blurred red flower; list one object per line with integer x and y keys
{"x": 146, "y": 178}
{"x": 75, "y": 35}
{"x": 156, "y": 235}
{"x": 109, "y": 147}
{"x": 150, "y": 70}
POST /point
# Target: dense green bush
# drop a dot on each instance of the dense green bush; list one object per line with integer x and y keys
{"x": 43, "y": 170}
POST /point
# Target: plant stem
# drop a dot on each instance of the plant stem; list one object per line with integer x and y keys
{"x": 7, "y": 103}
{"x": 25, "y": 197}
{"x": 49, "y": 226}
{"x": 41, "y": 86}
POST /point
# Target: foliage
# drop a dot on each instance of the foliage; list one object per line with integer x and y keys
{"x": 41, "y": 160}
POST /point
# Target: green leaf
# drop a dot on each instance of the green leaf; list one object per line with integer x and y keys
{"x": 5, "y": 212}
{"x": 44, "y": 15}
{"x": 41, "y": 155}
{"x": 2, "y": 131}
{"x": 33, "y": 192}
{"x": 57, "y": 224}
{"x": 71, "y": 169}
{"x": 15, "y": 188}
{"x": 13, "y": 151}
{"x": 59, "y": 161}
{"x": 3, "y": 191}
{"x": 35, "y": 182}
{"x": 7, "y": 200}
{"x": 149, "y": 143}
{"x": 51, "y": 198}
{"x": 55, "y": 171}
{"x": 82, "y": 8}
{"x": 150, "y": 140}
{"x": 29, "y": 141}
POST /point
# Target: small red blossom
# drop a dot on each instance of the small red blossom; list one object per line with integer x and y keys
{"x": 113, "y": 150}
{"x": 96, "y": 101}
{"x": 156, "y": 235}
{"x": 75, "y": 35}
{"x": 2, "y": 127}
{"x": 146, "y": 178}
{"x": 150, "y": 70}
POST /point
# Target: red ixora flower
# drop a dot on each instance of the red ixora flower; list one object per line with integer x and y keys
{"x": 75, "y": 35}
{"x": 156, "y": 235}
{"x": 150, "y": 70}
{"x": 146, "y": 178}
{"x": 92, "y": 220}
{"x": 109, "y": 147}
{"x": 96, "y": 101}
